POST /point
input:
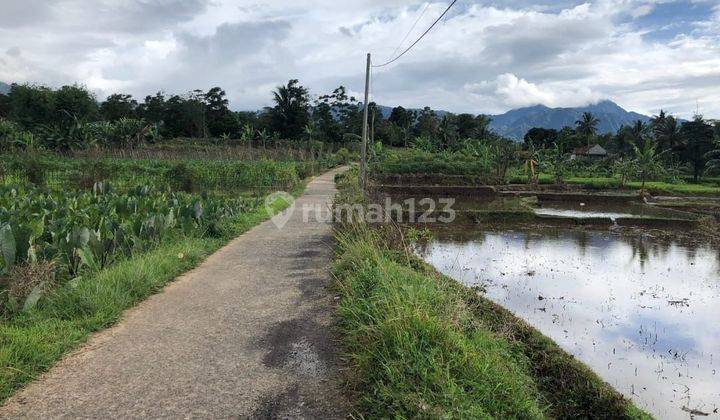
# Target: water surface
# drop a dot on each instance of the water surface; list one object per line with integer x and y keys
{"x": 642, "y": 314}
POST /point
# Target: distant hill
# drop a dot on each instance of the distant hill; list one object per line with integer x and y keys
{"x": 4, "y": 88}
{"x": 517, "y": 122}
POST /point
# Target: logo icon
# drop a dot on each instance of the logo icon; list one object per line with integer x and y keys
{"x": 282, "y": 199}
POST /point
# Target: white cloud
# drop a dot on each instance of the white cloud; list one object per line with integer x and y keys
{"x": 479, "y": 59}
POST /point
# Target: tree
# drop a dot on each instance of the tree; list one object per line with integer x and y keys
{"x": 713, "y": 156}
{"x": 153, "y": 109}
{"x": 4, "y": 106}
{"x": 185, "y": 116}
{"x": 427, "y": 123}
{"x": 401, "y": 117}
{"x": 639, "y": 133}
{"x": 220, "y": 120}
{"x": 482, "y": 126}
{"x": 541, "y": 137}
{"x": 74, "y": 103}
{"x": 667, "y": 132}
{"x": 646, "y": 161}
{"x": 447, "y": 133}
{"x": 31, "y": 106}
{"x": 587, "y": 126}
{"x": 291, "y": 111}
{"x": 698, "y": 135}
{"x": 117, "y": 106}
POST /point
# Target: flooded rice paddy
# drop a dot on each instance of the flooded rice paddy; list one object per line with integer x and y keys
{"x": 613, "y": 212}
{"x": 642, "y": 313}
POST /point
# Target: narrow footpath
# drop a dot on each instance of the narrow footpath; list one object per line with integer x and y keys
{"x": 247, "y": 334}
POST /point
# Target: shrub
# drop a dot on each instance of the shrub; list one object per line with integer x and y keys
{"x": 343, "y": 156}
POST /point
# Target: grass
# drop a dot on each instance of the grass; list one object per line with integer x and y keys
{"x": 31, "y": 342}
{"x": 218, "y": 175}
{"x": 417, "y": 165}
{"x": 422, "y": 346}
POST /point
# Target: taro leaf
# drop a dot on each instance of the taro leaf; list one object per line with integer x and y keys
{"x": 36, "y": 226}
{"x": 198, "y": 210}
{"x": 170, "y": 219}
{"x": 33, "y": 298}
{"x": 7, "y": 246}
{"x": 88, "y": 259}
{"x": 80, "y": 237}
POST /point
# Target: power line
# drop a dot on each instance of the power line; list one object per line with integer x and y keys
{"x": 421, "y": 36}
{"x": 427, "y": 6}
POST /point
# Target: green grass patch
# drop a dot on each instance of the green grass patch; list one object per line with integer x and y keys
{"x": 421, "y": 345}
{"x": 31, "y": 342}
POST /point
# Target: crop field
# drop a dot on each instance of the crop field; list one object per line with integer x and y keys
{"x": 82, "y": 238}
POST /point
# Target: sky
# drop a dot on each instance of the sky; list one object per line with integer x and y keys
{"x": 483, "y": 57}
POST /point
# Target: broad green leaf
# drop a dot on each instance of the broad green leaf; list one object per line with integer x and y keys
{"x": 7, "y": 246}
{"x": 33, "y": 298}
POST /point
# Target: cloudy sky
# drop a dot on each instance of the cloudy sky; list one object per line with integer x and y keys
{"x": 483, "y": 57}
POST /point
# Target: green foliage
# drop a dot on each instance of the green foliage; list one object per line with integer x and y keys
{"x": 291, "y": 111}
{"x": 34, "y": 339}
{"x": 91, "y": 229}
{"x": 647, "y": 162}
{"x": 421, "y": 162}
{"x": 554, "y": 161}
{"x": 344, "y": 156}
{"x": 423, "y": 346}
{"x": 415, "y": 352}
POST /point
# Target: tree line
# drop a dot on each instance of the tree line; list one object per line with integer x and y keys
{"x": 72, "y": 118}
{"x": 664, "y": 138}
{"x": 34, "y": 116}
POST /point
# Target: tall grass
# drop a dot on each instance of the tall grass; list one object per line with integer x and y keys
{"x": 422, "y": 346}
{"x": 221, "y": 176}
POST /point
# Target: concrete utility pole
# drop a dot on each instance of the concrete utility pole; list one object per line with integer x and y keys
{"x": 363, "y": 145}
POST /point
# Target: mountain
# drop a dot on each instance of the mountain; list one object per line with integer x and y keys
{"x": 515, "y": 123}
{"x": 4, "y": 88}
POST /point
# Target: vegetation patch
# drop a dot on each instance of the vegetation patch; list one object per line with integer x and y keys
{"x": 32, "y": 340}
{"x": 422, "y": 345}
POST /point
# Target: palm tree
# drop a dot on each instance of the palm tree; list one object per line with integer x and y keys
{"x": 291, "y": 110}
{"x": 667, "y": 133}
{"x": 647, "y": 162}
{"x": 639, "y": 134}
{"x": 587, "y": 125}
{"x": 447, "y": 131}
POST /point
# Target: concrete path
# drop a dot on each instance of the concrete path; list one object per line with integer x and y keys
{"x": 246, "y": 334}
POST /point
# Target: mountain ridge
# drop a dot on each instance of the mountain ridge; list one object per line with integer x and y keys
{"x": 516, "y": 122}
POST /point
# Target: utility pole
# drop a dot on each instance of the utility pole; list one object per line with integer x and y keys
{"x": 363, "y": 145}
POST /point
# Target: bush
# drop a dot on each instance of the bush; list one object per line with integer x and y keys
{"x": 343, "y": 156}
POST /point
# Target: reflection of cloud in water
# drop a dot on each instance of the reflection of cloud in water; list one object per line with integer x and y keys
{"x": 606, "y": 299}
